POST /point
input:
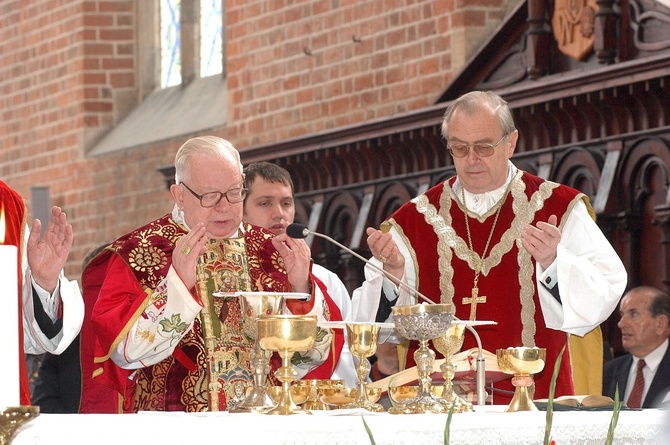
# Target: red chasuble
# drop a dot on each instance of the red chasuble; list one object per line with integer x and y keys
{"x": 181, "y": 381}
{"x": 445, "y": 267}
{"x": 15, "y": 220}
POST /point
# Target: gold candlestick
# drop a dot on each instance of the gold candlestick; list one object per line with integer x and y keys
{"x": 11, "y": 419}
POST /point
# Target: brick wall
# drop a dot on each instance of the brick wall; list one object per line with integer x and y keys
{"x": 68, "y": 73}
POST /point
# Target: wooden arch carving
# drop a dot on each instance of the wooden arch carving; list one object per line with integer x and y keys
{"x": 580, "y": 169}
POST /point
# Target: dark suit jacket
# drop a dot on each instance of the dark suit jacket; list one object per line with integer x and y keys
{"x": 616, "y": 373}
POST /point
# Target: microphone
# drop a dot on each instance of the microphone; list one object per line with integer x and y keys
{"x": 300, "y": 231}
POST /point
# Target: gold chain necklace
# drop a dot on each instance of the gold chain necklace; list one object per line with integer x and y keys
{"x": 475, "y": 298}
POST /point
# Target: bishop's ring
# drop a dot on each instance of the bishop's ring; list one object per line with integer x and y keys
{"x": 186, "y": 249}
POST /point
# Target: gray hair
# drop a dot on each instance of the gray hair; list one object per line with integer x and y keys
{"x": 203, "y": 145}
{"x": 476, "y": 100}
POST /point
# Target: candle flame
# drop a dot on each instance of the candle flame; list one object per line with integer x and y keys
{"x": 2, "y": 224}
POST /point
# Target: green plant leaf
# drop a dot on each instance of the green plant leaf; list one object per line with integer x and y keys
{"x": 367, "y": 429}
{"x": 448, "y": 425}
{"x": 550, "y": 402}
{"x": 615, "y": 417}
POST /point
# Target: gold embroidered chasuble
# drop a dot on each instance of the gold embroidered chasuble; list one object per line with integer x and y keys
{"x": 180, "y": 382}
{"x": 218, "y": 343}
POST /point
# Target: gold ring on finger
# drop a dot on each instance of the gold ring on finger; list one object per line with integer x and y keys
{"x": 186, "y": 249}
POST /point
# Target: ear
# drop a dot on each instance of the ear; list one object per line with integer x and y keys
{"x": 513, "y": 138}
{"x": 662, "y": 323}
{"x": 178, "y": 195}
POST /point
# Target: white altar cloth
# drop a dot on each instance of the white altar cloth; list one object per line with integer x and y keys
{"x": 486, "y": 426}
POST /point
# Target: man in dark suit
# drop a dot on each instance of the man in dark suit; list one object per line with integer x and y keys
{"x": 645, "y": 327}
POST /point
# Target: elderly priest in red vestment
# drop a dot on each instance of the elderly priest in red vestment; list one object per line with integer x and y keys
{"x": 504, "y": 245}
{"x": 143, "y": 340}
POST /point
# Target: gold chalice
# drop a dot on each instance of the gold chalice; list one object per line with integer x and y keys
{"x": 362, "y": 339}
{"x": 448, "y": 344}
{"x": 522, "y": 362}
{"x": 286, "y": 334}
{"x": 11, "y": 419}
{"x": 422, "y": 322}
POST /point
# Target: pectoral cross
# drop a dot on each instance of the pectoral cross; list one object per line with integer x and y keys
{"x": 473, "y": 301}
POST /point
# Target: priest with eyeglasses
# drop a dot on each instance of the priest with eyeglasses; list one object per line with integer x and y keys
{"x": 155, "y": 337}
{"x": 501, "y": 244}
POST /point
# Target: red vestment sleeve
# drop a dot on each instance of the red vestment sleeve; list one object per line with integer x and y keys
{"x": 109, "y": 311}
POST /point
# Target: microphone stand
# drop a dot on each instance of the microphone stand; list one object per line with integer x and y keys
{"x": 481, "y": 362}
{"x": 391, "y": 278}
{"x": 481, "y": 369}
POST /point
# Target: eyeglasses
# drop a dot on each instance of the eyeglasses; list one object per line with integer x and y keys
{"x": 483, "y": 150}
{"x": 211, "y": 199}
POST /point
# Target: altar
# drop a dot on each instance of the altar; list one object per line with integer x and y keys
{"x": 487, "y": 425}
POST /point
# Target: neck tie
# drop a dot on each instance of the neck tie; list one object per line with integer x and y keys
{"x": 635, "y": 397}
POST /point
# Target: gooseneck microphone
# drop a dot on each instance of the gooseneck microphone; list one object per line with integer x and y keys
{"x": 299, "y": 231}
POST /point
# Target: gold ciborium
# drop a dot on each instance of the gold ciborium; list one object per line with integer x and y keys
{"x": 11, "y": 419}
{"x": 339, "y": 397}
{"x": 422, "y": 322}
{"x": 286, "y": 334}
{"x": 522, "y": 362}
{"x": 362, "y": 339}
{"x": 313, "y": 388}
{"x": 448, "y": 344}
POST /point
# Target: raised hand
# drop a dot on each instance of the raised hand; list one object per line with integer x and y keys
{"x": 186, "y": 252}
{"x": 541, "y": 240}
{"x": 297, "y": 257}
{"x": 47, "y": 254}
{"x": 385, "y": 249}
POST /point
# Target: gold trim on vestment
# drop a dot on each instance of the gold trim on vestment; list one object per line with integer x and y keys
{"x": 213, "y": 276}
{"x": 448, "y": 242}
{"x": 412, "y": 252}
